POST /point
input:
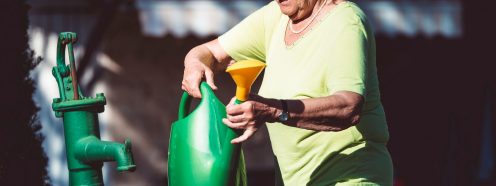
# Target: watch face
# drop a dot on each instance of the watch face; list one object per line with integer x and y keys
{"x": 283, "y": 116}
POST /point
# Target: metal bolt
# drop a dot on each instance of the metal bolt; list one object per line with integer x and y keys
{"x": 67, "y": 88}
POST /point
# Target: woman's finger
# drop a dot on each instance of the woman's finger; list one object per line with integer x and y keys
{"x": 193, "y": 86}
{"x": 233, "y": 109}
{"x": 236, "y": 118}
{"x": 234, "y": 125}
{"x": 209, "y": 77}
{"x": 233, "y": 99}
{"x": 247, "y": 134}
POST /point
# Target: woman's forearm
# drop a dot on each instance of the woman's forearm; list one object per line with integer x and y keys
{"x": 332, "y": 113}
{"x": 200, "y": 54}
{"x": 210, "y": 54}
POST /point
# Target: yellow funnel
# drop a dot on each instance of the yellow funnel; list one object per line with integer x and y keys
{"x": 244, "y": 74}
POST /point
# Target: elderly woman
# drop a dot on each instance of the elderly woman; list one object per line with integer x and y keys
{"x": 319, "y": 97}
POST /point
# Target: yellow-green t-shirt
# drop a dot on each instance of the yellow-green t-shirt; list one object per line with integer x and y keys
{"x": 337, "y": 54}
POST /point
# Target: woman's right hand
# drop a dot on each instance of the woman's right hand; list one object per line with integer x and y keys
{"x": 194, "y": 72}
{"x": 200, "y": 63}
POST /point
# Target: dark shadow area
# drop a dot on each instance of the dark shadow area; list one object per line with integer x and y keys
{"x": 22, "y": 161}
{"x": 261, "y": 177}
{"x": 433, "y": 91}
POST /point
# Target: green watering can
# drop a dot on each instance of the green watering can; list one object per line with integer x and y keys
{"x": 200, "y": 149}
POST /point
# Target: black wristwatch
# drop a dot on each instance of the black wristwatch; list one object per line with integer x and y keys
{"x": 284, "y": 116}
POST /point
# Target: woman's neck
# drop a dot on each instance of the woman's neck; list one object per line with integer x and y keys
{"x": 306, "y": 14}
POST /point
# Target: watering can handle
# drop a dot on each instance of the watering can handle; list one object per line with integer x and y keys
{"x": 184, "y": 105}
{"x": 186, "y": 100}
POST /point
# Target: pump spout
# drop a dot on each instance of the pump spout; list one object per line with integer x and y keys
{"x": 91, "y": 149}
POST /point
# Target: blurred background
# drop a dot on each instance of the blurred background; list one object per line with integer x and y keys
{"x": 433, "y": 56}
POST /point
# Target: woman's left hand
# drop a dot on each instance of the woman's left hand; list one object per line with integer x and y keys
{"x": 247, "y": 116}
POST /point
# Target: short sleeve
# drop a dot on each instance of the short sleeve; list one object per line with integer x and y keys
{"x": 246, "y": 40}
{"x": 348, "y": 61}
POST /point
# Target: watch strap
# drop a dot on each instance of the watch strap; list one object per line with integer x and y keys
{"x": 284, "y": 116}
{"x": 284, "y": 106}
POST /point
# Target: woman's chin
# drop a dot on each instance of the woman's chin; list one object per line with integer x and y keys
{"x": 286, "y": 10}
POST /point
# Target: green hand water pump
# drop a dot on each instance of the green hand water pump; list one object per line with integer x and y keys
{"x": 85, "y": 151}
